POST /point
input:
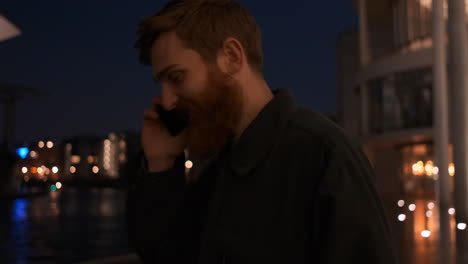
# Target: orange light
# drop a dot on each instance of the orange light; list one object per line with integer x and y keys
{"x": 33, "y": 170}
{"x": 429, "y": 168}
{"x": 188, "y": 164}
{"x": 75, "y": 159}
{"x": 451, "y": 169}
{"x": 122, "y": 157}
{"x": 418, "y": 168}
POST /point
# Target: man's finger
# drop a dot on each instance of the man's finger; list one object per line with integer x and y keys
{"x": 150, "y": 114}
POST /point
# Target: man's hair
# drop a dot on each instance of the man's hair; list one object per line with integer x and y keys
{"x": 203, "y": 26}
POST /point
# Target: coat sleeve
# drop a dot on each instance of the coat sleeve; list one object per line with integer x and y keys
{"x": 154, "y": 210}
{"x": 350, "y": 224}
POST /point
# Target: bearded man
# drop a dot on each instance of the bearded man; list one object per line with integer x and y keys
{"x": 272, "y": 181}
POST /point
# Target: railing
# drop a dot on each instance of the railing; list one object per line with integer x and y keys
{"x": 125, "y": 259}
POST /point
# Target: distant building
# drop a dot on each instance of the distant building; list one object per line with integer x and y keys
{"x": 82, "y": 158}
{"x": 79, "y": 159}
{"x": 44, "y": 162}
{"x": 99, "y": 158}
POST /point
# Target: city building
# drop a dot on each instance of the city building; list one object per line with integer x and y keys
{"x": 390, "y": 95}
{"x": 78, "y": 160}
{"x": 400, "y": 76}
{"x": 99, "y": 158}
{"x": 82, "y": 158}
{"x": 42, "y": 162}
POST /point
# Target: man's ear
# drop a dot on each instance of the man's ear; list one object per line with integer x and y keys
{"x": 232, "y": 56}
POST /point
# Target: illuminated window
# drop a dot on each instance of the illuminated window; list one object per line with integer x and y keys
{"x": 122, "y": 157}
{"x": 122, "y": 144}
{"x": 75, "y": 159}
{"x": 401, "y": 101}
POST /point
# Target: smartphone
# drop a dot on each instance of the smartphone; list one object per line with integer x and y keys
{"x": 174, "y": 121}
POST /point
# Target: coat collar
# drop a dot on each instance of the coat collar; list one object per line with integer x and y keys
{"x": 260, "y": 136}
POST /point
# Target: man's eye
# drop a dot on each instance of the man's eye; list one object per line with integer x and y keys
{"x": 177, "y": 77}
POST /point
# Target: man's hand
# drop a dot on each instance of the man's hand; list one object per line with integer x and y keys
{"x": 160, "y": 148}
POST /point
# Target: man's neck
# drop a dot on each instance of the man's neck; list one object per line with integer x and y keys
{"x": 256, "y": 97}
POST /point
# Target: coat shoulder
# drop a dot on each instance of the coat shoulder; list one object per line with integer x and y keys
{"x": 314, "y": 128}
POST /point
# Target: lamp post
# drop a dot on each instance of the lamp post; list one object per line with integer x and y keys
{"x": 441, "y": 125}
{"x": 458, "y": 47}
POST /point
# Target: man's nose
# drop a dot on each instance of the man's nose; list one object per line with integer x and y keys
{"x": 168, "y": 98}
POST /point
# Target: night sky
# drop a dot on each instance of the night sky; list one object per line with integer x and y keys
{"x": 81, "y": 53}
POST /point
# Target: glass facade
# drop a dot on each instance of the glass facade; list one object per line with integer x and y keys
{"x": 412, "y": 21}
{"x": 401, "y": 101}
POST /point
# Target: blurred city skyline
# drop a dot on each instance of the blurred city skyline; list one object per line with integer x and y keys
{"x": 82, "y": 55}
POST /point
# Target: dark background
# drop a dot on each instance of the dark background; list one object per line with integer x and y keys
{"x": 81, "y": 53}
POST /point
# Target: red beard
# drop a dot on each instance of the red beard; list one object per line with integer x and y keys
{"x": 214, "y": 116}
